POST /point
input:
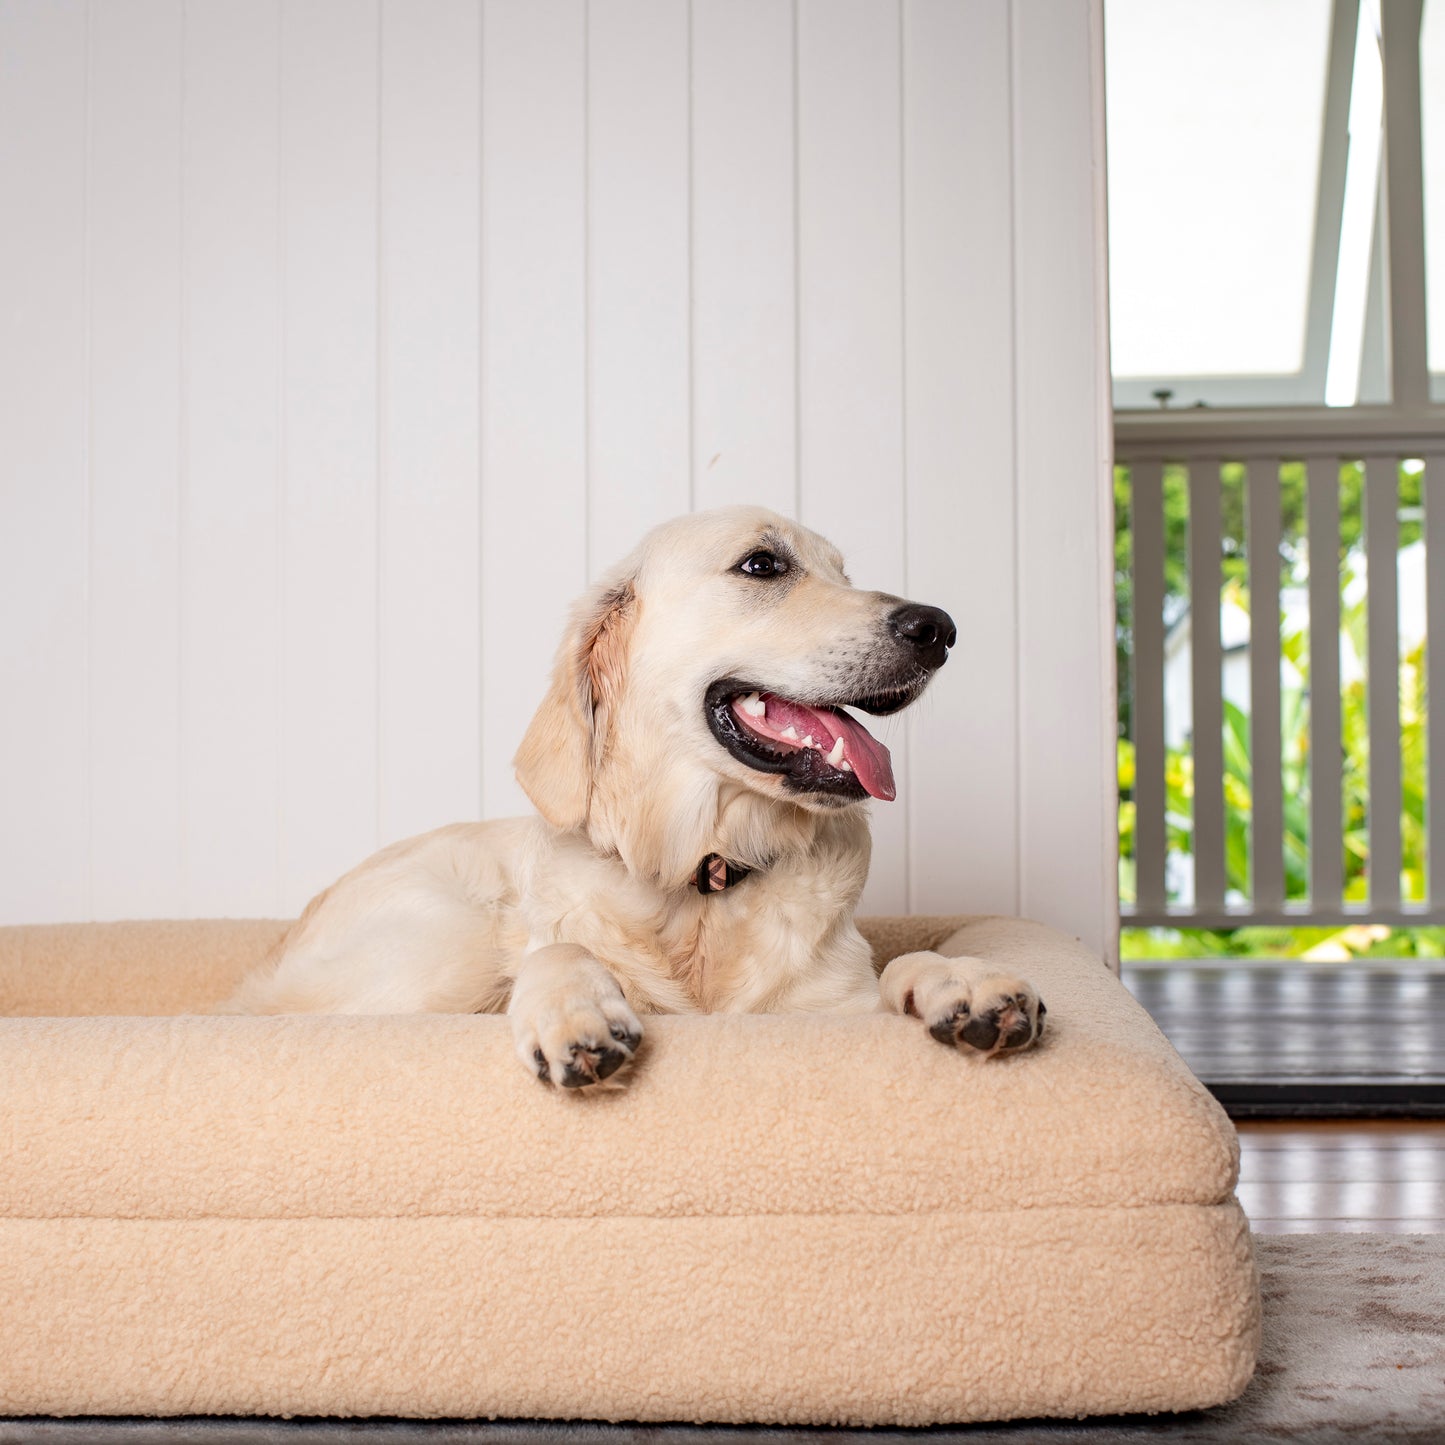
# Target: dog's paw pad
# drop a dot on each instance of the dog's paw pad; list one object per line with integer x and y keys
{"x": 585, "y": 1048}
{"x": 627, "y": 1036}
{"x": 947, "y": 1028}
{"x": 1004, "y": 1019}
{"x": 589, "y": 1062}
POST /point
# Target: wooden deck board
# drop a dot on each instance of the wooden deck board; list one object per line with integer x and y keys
{"x": 1300, "y": 1037}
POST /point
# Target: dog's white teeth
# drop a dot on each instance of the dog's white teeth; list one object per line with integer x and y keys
{"x": 836, "y": 756}
{"x": 808, "y": 742}
{"x": 791, "y": 733}
{"x": 845, "y": 766}
{"x": 754, "y": 706}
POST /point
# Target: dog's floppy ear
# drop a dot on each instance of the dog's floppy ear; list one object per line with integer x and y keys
{"x": 568, "y": 736}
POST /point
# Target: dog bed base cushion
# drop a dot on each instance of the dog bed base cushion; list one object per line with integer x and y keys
{"x": 790, "y": 1220}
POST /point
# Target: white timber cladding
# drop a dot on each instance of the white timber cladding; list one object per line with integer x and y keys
{"x": 341, "y": 343}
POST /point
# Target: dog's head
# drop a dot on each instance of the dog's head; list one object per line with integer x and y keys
{"x": 714, "y": 662}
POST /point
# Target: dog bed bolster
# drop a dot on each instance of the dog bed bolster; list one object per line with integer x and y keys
{"x": 793, "y": 1219}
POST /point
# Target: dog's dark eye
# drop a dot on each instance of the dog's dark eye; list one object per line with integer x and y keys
{"x": 763, "y": 564}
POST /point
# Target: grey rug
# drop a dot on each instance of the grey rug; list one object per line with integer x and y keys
{"x": 1353, "y": 1354}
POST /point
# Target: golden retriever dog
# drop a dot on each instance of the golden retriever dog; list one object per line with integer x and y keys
{"x": 703, "y": 837}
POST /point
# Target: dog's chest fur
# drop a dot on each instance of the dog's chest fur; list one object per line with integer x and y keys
{"x": 759, "y": 946}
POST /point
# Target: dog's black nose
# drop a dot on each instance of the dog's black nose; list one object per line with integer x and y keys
{"x": 928, "y": 629}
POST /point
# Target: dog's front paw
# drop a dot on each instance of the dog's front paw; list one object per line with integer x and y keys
{"x": 1004, "y": 1014}
{"x": 571, "y": 1025}
{"x": 963, "y": 1003}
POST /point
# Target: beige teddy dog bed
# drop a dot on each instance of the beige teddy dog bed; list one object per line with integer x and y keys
{"x": 785, "y": 1219}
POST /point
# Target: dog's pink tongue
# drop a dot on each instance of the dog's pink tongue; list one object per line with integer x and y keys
{"x": 869, "y": 757}
{"x": 866, "y": 755}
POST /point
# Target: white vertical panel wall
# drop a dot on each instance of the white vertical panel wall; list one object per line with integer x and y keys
{"x": 342, "y": 341}
{"x": 230, "y": 501}
{"x": 852, "y": 470}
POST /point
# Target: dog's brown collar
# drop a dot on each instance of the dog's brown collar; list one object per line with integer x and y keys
{"x": 715, "y": 873}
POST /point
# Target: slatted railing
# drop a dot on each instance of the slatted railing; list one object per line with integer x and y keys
{"x": 1194, "y": 448}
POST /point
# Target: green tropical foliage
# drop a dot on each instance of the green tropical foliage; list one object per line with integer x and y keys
{"x": 1321, "y": 944}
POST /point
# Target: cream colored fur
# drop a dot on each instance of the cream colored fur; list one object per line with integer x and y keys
{"x": 582, "y": 920}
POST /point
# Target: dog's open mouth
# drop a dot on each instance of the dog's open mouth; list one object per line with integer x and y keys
{"x": 818, "y": 748}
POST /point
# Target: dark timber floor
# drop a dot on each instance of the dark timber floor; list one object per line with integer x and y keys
{"x": 1343, "y": 1176}
{"x": 1305, "y": 1040}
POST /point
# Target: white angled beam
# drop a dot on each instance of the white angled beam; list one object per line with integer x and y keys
{"x": 1405, "y": 198}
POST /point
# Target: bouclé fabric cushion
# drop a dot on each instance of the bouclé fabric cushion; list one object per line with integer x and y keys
{"x": 786, "y": 1219}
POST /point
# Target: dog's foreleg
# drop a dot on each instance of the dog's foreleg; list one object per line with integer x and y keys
{"x": 571, "y": 1025}
{"x": 964, "y": 1002}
